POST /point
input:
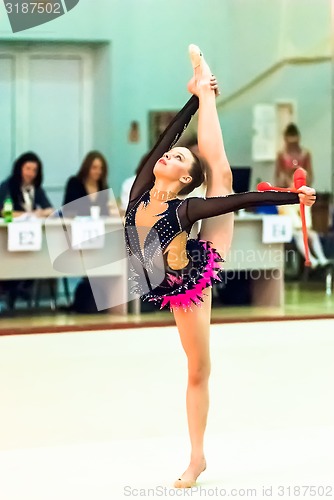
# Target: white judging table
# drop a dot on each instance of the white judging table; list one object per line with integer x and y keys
{"x": 263, "y": 263}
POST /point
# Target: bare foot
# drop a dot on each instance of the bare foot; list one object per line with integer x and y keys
{"x": 199, "y": 64}
{"x": 189, "y": 477}
{"x": 202, "y": 77}
{"x": 195, "y": 55}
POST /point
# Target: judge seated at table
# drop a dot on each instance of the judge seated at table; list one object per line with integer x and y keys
{"x": 24, "y": 187}
{"x": 88, "y": 187}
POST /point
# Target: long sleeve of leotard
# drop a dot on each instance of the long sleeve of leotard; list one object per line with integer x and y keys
{"x": 145, "y": 177}
{"x": 194, "y": 209}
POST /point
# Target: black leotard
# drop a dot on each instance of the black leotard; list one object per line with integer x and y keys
{"x": 154, "y": 279}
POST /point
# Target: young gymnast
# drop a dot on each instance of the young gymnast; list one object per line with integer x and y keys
{"x": 169, "y": 268}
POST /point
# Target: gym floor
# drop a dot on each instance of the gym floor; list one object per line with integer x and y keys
{"x": 302, "y": 300}
{"x": 101, "y": 414}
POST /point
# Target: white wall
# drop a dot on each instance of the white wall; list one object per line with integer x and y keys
{"x": 144, "y": 66}
{"x": 307, "y": 85}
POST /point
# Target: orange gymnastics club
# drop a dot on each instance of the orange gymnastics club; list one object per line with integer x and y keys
{"x": 299, "y": 180}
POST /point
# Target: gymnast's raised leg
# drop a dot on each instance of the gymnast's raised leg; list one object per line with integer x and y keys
{"x": 219, "y": 229}
{"x": 194, "y": 325}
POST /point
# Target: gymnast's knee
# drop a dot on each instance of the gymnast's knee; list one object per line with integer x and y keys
{"x": 199, "y": 373}
{"x": 219, "y": 184}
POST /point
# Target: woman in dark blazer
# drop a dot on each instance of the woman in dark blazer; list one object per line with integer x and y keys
{"x": 84, "y": 190}
{"x": 88, "y": 187}
{"x": 24, "y": 187}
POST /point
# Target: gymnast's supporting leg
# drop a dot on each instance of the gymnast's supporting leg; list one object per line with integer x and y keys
{"x": 218, "y": 230}
{"x": 194, "y": 330}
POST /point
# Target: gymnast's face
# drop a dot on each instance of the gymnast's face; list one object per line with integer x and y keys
{"x": 174, "y": 165}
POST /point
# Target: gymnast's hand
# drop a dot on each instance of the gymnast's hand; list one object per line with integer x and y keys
{"x": 307, "y": 195}
{"x": 214, "y": 85}
{"x": 193, "y": 86}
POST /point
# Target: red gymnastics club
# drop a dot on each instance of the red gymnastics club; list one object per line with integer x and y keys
{"x": 266, "y": 186}
{"x": 299, "y": 179}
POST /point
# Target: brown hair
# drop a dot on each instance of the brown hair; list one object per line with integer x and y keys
{"x": 291, "y": 130}
{"x": 86, "y": 165}
{"x": 197, "y": 172}
{"x": 15, "y": 180}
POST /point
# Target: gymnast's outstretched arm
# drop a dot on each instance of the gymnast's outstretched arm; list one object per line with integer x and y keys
{"x": 145, "y": 177}
{"x": 194, "y": 209}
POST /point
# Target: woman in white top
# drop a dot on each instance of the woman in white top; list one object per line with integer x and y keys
{"x": 317, "y": 256}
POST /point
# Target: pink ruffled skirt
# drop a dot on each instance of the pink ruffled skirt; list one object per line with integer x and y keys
{"x": 184, "y": 288}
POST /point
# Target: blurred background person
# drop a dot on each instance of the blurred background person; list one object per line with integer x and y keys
{"x": 292, "y": 157}
{"x": 317, "y": 255}
{"x": 24, "y": 187}
{"x": 89, "y": 187}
